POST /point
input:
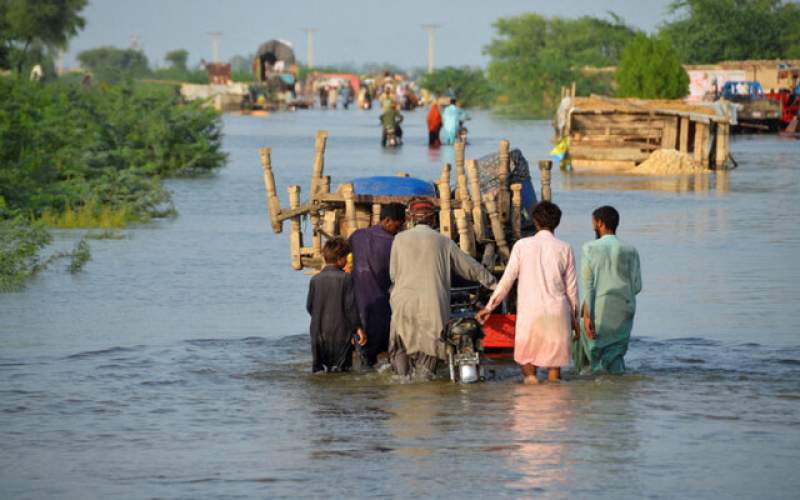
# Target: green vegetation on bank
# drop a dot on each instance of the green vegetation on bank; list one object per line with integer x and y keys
{"x": 78, "y": 157}
{"x": 469, "y": 85}
{"x": 650, "y": 69}
{"x": 533, "y": 56}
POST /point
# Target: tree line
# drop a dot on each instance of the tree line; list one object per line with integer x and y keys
{"x": 532, "y": 56}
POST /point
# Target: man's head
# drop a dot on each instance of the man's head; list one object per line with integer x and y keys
{"x": 422, "y": 211}
{"x": 335, "y": 252}
{"x": 393, "y": 216}
{"x": 605, "y": 221}
{"x": 453, "y": 101}
{"x": 546, "y": 216}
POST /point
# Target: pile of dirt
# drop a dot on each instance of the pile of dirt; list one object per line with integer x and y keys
{"x": 668, "y": 162}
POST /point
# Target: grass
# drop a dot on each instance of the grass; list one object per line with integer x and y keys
{"x": 87, "y": 216}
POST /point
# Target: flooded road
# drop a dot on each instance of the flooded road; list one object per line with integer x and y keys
{"x": 177, "y": 364}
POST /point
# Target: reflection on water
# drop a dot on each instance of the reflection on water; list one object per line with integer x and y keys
{"x": 540, "y": 420}
{"x": 700, "y": 183}
{"x": 176, "y": 365}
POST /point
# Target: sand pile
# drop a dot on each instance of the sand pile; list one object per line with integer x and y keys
{"x": 668, "y": 162}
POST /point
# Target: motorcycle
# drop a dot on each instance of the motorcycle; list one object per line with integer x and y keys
{"x": 463, "y": 337}
{"x": 392, "y": 141}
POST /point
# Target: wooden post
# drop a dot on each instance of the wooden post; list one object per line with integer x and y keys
{"x": 700, "y": 140}
{"x": 503, "y": 171}
{"x": 545, "y": 166}
{"x": 376, "y": 214}
{"x": 445, "y": 177}
{"x": 683, "y": 143}
{"x": 458, "y": 149}
{"x": 497, "y": 226}
{"x": 445, "y": 214}
{"x": 723, "y": 139}
{"x": 319, "y": 162}
{"x": 329, "y": 223}
{"x": 273, "y": 203}
{"x": 462, "y": 193}
{"x": 296, "y": 237}
{"x": 669, "y": 136}
{"x": 326, "y": 184}
{"x": 349, "y": 209}
{"x": 316, "y": 234}
{"x": 572, "y": 89}
{"x": 516, "y": 210}
{"x": 465, "y": 240}
{"x": 477, "y": 211}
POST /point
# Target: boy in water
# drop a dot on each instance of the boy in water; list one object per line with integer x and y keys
{"x": 334, "y": 316}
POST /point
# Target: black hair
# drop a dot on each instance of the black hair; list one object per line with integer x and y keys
{"x": 334, "y": 249}
{"x": 547, "y": 215}
{"x": 452, "y": 100}
{"x": 608, "y": 215}
{"x": 393, "y": 211}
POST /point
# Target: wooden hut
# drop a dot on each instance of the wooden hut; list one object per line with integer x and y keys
{"x": 618, "y": 134}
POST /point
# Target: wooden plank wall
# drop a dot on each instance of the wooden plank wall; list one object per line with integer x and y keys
{"x": 617, "y": 141}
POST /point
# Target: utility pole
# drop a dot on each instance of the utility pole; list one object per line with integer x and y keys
{"x": 430, "y": 28}
{"x": 136, "y": 42}
{"x": 310, "y": 46}
{"x": 216, "y": 36}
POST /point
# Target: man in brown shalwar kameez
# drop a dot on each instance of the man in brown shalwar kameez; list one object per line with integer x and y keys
{"x": 420, "y": 265}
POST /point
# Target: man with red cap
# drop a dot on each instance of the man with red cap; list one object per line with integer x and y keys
{"x": 420, "y": 265}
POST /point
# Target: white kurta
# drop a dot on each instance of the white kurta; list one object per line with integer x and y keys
{"x": 547, "y": 298}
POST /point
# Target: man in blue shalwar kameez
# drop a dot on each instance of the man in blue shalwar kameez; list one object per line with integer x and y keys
{"x": 611, "y": 279}
{"x": 371, "y": 249}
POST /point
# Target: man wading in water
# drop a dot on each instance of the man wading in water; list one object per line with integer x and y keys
{"x": 420, "y": 266}
{"x": 611, "y": 277}
{"x": 547, "y": 296}
{"x": 371, "y": 248}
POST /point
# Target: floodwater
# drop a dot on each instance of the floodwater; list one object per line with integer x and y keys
{"x": 177, "y": 364}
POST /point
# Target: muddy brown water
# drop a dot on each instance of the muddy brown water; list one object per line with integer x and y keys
{"x": 177, "y": 364}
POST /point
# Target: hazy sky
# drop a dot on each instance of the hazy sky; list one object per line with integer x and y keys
{"x": 353, "y": 31}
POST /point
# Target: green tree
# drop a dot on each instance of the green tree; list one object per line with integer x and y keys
{"x": 31, "y": 28}
{"x": 469, "y": 84}
{"x": 178, "y": 58}
{"x": 533, "y": 56}
{"x": 650, "y": 69}
{"x": 709, "y": 31}
{"x": 111, "y": 64}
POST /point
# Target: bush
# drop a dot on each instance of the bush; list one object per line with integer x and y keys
{"x": 469, "y": 85}
{"x": 650, "y": 69}
{"x": 76, "y": 157}
{"x": 64, "y": 147}
{"x": 110, "y": 64}
{"x": 20, "y": 243}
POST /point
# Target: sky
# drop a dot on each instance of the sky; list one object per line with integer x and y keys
{"x": 349, "y": 31}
